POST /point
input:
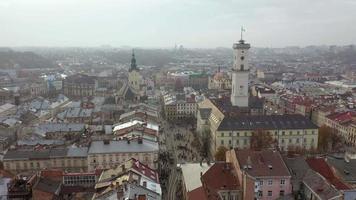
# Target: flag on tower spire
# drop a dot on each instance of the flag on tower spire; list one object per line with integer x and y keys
{"x": 242, "y": 30}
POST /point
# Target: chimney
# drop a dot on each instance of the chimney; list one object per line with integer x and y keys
{"x": 139, "y": 140}
{"x": 123, "y": 167}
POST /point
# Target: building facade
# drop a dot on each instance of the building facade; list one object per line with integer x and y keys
{"x": 79, "y": 85}
{"x": 107, "y": 154}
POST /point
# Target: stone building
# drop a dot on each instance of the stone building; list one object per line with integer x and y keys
{"x": 79, "y": 86}
{"x": 107, "y": 154}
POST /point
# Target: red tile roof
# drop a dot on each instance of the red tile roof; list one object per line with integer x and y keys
{"x": 319, "y": 165}
{"x": 145, "y": 170}
{"x": 197, "y": 193}
{"x": 220, "y": 176}
{"x": 342, "y": 117}
{"x": 262, "y": 163}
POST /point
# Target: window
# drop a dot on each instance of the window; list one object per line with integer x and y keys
{"x": 269, "y": 193}
{"x": 282, "y": 141}
{"x": 283, "y": 181}
{"x": 290, "y": 140}
{"x": 283, "y": 132}
{"x": 242, "y": 67}
{"x": 222, "y": 142}
{"x": 222, "y": 134}
{"x": 312, "y": 140}
{"x": 230, "y": 142}
{"x": 270, "y": 182}
{"x": 297, "y": 140}
{"x": 237, "y": 142}
{"x": 260, "y": 193}
{"x": 290, "y": 133}
{"x": 261, "y": 182}
{"x": 237, "y": 134}
{"x": 281, "y": 193}
{"x": 245, "y": 141}
{"x": 230, "y": 134}
{"x": 242, "y": 58}
{"x": 312, "y": 132}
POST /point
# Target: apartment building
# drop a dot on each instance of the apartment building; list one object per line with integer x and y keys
{"x": 263, "y": 175}
{"x": 107, "y": 154}
{"x": 286, "y": 131}
{"x": 24, "y": 160}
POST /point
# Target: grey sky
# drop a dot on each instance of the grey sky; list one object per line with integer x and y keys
{"x": 162, "y": 23}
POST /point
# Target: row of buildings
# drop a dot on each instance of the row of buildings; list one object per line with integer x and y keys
{"x": 263, "y": 175}
{"x": 99, "y": 155}
{"x": 131, "y": 179}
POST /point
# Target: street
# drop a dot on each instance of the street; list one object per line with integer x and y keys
{"x": 179, "y": 145}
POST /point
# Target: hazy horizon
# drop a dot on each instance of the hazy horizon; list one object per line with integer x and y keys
{"x": 164, "y": 23}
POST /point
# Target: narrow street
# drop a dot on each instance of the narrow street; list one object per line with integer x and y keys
{"x": 178, "y": 142}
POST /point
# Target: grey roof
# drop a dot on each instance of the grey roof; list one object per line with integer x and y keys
{"x": 134, "y": 190}
{"x": 77, "y": 152}
{"x": 316, "y": 183}
{"x": 347, "y": 170}
{"x": 42, "y": 129}
{"x": 204, "y": 113}
{"x": 266, "y": 122}
{"x": 116, "y": 146}
{"x": 48, "y": 185}
{"x": 297, "y": 166}
{"x": 41, "y": 142}
{"x": 25, "y": 154}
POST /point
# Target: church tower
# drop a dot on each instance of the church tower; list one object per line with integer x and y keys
{"x": 240, "y": 74}
{"x": 134, "y": 75}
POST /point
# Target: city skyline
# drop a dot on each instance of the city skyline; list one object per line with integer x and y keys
{"x": 164, "y": 23}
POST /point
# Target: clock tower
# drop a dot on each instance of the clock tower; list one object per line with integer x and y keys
{"x": 240, "y": 74}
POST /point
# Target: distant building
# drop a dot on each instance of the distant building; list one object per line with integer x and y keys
{"x": 79, "y": 86}
{"x": 220, "y": 81}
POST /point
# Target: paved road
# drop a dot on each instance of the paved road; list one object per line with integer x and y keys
{"x": 171, "y": 144}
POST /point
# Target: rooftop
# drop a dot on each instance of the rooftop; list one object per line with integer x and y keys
{"x": 320, "y": 165}
{"x": 262, "y": 163}
{"x": 220, "y": 176}
{"x": 191, "y": 174}
{"x": 115, "y": 146}
{"x": 27, "y": 154}
{"x": 320, "y": 186}
{"x": 266, "y": 122}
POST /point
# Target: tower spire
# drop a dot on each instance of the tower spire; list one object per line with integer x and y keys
{"x": 133, "y": 62}
{"x": 241, "y": 32}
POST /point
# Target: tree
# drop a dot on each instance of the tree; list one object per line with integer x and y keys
{"x": 261, "y": 139}
{"x": 328, "y": 139}
{"x": 220, "y": 154}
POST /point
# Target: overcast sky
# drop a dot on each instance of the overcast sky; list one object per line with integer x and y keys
{"x": 162, "y": 23}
